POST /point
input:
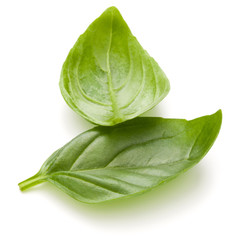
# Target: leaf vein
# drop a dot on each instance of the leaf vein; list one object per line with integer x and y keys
{"x": 141, "y": 143}
{"x": 72, "y": 166}
{"x": 95, "y": 184}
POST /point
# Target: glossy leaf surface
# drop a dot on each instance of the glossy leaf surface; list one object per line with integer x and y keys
{"x": 106, "y": 163}
{"x": 108, "y": 77}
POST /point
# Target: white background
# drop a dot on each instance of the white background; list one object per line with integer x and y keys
{"x": 196, "y": 43}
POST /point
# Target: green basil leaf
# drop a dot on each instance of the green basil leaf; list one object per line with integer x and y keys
{"x": 106, "y": 163}
{"x": 108, "y": 77}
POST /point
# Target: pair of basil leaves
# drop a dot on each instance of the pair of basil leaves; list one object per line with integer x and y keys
{"x": 109, "y": 78}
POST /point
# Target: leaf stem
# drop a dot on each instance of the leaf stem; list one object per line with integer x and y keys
{"x": 32, "y": 181}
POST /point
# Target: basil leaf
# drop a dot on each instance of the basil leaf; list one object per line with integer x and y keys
{"x": 106, "y": 163}
{"x": 108, "y": 77}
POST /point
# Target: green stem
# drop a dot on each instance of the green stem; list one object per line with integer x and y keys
{"x": 32, "y": 181}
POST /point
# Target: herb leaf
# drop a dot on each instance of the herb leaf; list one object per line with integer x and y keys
{"x": 106, "y": 163}
{"x": 108, "y": 77}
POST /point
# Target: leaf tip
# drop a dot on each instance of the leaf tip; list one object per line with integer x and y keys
{"x": 112, "y": 12}
{"x": 112, "y": 9}
{"x": 219, "y": 112}
{"x": 218, "y": 117}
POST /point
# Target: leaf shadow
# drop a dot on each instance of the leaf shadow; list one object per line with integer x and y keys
{"x": 166, "y": 199}
{"x": 74, "y": 122}
{"x": 157, "y": 111}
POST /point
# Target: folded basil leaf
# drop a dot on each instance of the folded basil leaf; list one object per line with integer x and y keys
{"x": 106, "y": 163}
{"x": 108, "y": 77}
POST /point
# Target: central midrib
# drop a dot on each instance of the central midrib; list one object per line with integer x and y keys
{"x": 115, "y": 108}
{"x": 67, "y": 172}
